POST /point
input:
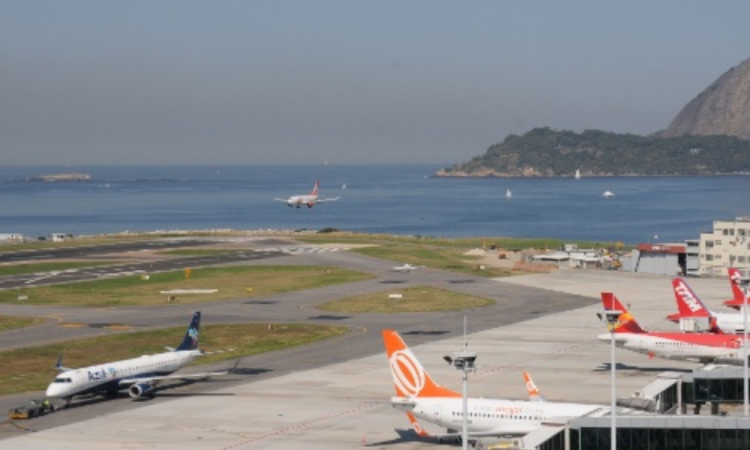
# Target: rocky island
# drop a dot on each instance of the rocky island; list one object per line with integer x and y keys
{"x": 62, "y": 177}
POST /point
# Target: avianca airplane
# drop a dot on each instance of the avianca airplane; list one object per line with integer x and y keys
{"x": 139, "y": 375}
{"x": 738, "y": 299}
{"x": 700, "y": 347}
{"x": 310, "y": 199}
{"x": 690, "y": 305}
{"x": 420, "y": 397}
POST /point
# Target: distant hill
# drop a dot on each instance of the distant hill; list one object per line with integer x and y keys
{"x": 546, "y": 152}
{"x": 723, "y": 108}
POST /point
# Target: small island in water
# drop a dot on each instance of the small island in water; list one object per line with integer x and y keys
{"x": 61, "y": 177}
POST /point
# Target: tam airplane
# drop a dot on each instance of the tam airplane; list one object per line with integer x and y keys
{"x": 139, "y": 375}
{"x": 735, "y": 280}
{"x": 699, "y": 347}
{"x": 420, "y": 397}
{"x": 308, "y": 200}
{"x": 691, "y": 306}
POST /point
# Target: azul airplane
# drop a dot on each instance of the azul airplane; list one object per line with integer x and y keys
{"x": 309, "y": 200}
{"x": 735, "y": 280}
{"x": 691, "y": 306}
{"x": 701, "y": 347}
{"x": 420, "y": 397}
{"x": 139, "y": 375}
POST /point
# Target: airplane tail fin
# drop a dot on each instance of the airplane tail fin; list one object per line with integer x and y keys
{"x": 534, "y": 394}
{"x": 190, "y": 341}
{"x": 409, "y": 377}
{"x": 738, "y": 296}
{"x": 315, "y": 188}
{"x": 688, "y": 303}
{"x": 626, "y": 323}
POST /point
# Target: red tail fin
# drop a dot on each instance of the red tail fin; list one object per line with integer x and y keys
{"x": 626, "y": 323}
{"x": 688, "y": 303}
{"x": 315, "y": 188}
{"x": 409, "y": 377}
{"x": 738, "y": 297}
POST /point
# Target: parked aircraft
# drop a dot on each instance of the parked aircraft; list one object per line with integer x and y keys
{"x": 533, "y": 391}
{"x": 690, "y": 306}
{"x": 309, "y": 200}
{"x": 139, "y": 375}
{"x": 735, "y": 280}
{"x": 420, "y": 397}
{"x": 700, "y": 347}
{"x": 405, "y": 268}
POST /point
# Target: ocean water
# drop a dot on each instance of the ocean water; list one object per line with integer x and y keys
{"x": 395, "y": 199}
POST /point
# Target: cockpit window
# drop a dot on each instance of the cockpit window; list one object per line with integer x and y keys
{"x": 63, "y": 380}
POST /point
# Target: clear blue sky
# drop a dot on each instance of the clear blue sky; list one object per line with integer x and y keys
{"x": 250, "y": 82}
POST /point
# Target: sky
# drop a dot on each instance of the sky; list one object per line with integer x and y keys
{"x": 344, "y": 82}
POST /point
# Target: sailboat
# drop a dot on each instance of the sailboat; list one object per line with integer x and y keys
{"x": 508, "y": 193}
{"x": 608, "y": 194}
{"x": 578, "y": 174}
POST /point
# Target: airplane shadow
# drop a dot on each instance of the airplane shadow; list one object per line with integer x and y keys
{"x": 606, "y": 367}
{"x": 404, "y": 436}
{"x": 248, "y": 372}
{"x": 426, "y": 333}
{"x": 393, "y": 282}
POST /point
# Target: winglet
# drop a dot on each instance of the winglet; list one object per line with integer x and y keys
{"x": 190, "y": 341}
{"x": 416, "y": 426}
{"x": 533, "y": 391}
{"x": 409, "y": 377}
{"x": 626, "y": 323}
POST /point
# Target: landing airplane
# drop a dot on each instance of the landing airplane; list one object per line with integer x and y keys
{"x": 405, "y": 268}
{"x": 309, "y": 200}
{"x": 139, "y": 375}
{"x": 699, "y": 347}
{"x": 690, "y": 305}
{"x": 738, "y": 299}
{"x": 420, "y": 397}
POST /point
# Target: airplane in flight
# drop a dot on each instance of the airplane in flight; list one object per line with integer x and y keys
{"x": 690, "y": 306}
{"x": 735, "y": 281}
{"x": 700, "y": 347}
{"x": 295, "y": 201}
{"x": 420, "y": 397}
{"x": 139, "y": 375}
{"x": 406, "y": 268}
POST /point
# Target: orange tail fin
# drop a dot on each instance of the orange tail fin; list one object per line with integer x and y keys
{"x": 531, "y": 388}
{"x": 409, "y": 377}
{"x": 626, "y": 323}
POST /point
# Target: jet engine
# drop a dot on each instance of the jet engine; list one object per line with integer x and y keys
{"x": 139, "y": 390}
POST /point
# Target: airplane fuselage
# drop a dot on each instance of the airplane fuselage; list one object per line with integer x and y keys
{"x": 299, "y": 200}
{"x": 109, "y": 376}
{"x": 682, "y": 346}
{"x": 489, "y": 416}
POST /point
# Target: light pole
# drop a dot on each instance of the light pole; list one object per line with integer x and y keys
{"x": 463, "y": 361}
{"x": 744, "y": 345}
{"x": 613, "y": 317}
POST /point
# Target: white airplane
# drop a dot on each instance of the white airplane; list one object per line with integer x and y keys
{"x": 309, "y": 200}
{"x": 405, "y": 268}
{"x": 691, "y": 306}
{"x": 422, "y": 398}
{"x": 139, "y": 375}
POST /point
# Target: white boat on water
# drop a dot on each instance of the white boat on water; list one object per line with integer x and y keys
{"x": 508, "y": 193}
{"x": 608, "y": 194}
{"x": 578, "y": 174}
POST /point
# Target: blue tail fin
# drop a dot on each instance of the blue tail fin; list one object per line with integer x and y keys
{"x": 190, "y": 342}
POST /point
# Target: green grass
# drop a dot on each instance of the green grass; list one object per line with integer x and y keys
{"x": 415, "y": 299}
{"x": 15, "y": 322}
{"x": 21, "y": 269}
{"x": 440, "y": 253}
{"x": 231, "y": 282}
{"x": 30, "y": 369}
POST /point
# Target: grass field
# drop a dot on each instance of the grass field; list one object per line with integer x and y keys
{"x": 414, "y": 299}
{"x": 31, "y": 369}
{"x": 8, "y": 323}
{"x": 231, "y": 282}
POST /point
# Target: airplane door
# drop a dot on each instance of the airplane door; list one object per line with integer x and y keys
{"x": 436, "y": 410}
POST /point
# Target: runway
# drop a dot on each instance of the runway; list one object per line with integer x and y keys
{"x": 335, "y": 394}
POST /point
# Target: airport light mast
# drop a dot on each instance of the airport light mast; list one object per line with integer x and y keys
{"x": 463, "y": 361}
{"x": 613, "y": 317}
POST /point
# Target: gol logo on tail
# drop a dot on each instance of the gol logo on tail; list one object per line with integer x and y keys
{"x": 408, "y": 374}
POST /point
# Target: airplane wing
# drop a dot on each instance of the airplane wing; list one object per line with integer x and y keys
{"x": 330, "y": 199}
{"x": 156, "y": 379}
